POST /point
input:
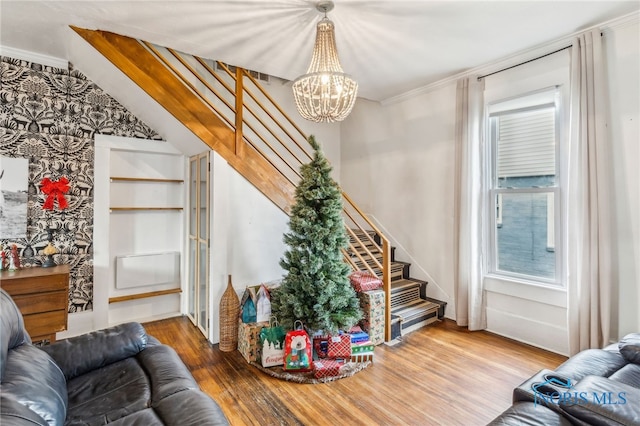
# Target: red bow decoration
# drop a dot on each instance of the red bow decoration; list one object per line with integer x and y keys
{"x": 55, "y": 190}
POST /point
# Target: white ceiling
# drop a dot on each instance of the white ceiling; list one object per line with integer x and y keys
{"x": 389, "y": 47}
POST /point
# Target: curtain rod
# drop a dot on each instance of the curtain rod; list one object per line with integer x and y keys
{"x": 525, "y": 62}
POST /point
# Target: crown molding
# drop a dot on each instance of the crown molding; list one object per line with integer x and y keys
{"x": 620, "y": 22}
{"x": 516, "y": 58}
{"x": 33, "y": 57}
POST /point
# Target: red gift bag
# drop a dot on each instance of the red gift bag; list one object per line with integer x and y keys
{"x": 339, "y": 346}
{"x": 364, "y": 281}
{"x": 297, "y": 350}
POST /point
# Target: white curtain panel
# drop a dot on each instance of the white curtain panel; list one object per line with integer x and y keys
{"x": 589, "y": 275}
{"x": 469, "y": 293}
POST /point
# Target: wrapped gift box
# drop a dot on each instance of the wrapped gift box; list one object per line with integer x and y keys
{"x": 359, "y": 337}
{"x": 339, "y": 346}
{"x": 361, "y": 357}
{"x": 326, "y": 368}
{"x": 373, "y": 307}
{"x": 249, "y": 340}
{"x": 364, "y": 281}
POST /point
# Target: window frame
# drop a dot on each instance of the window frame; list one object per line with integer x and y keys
{"x": 494, "y": 193}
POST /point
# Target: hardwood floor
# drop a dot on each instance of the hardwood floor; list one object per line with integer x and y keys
{"x": 438, "y": 375}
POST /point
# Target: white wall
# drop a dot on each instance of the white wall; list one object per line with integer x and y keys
{"x": 622, "y": 48}
{"x": 398, "y": 165}
{"x": 246, "y": 236}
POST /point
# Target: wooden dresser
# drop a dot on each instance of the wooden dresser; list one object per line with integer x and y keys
{"x": 42, "y": 294}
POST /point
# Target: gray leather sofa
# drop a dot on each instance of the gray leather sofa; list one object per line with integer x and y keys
{"x": 118, "y": 376}
{"x": 593, "y": 387}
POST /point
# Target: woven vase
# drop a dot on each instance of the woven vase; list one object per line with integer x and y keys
{"x": 229, "y": 313}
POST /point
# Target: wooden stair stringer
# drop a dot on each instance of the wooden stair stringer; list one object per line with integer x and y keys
{"x": 150, "y": 74}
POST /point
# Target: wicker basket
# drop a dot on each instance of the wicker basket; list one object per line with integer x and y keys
{"x": 229, "y": 313}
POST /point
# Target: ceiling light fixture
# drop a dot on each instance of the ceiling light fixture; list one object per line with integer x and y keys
{"x": 325, "y": 93}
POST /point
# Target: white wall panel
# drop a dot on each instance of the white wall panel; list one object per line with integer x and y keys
{"x": 141, "y": 270}
{"x": 528, "y": 330}
{"x": 540, "y": 312}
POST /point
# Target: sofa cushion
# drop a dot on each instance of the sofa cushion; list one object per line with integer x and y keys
{"x": 629, "y": 347}
{"x": 591, "y": 362}
{"x": 35, "y": 381}
{"x": 13, "y": 333}
{"x": 629, "y": 374}
{"x": 107, "y": 394}
{"x": 81, "y": 354}
{"x": 167, "y": 373}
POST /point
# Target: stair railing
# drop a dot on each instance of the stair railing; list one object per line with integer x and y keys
{"x": 259, "y": 123}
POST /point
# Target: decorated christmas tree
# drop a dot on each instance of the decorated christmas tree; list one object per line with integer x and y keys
{"x": 316, "y": 288}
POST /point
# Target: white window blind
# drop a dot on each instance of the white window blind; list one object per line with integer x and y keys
{"x": 526, "y": 144}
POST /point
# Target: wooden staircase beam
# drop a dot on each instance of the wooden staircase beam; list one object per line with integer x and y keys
{"x": 141, "y": 66}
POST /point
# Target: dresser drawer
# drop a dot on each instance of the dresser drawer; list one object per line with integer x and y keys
{"x": 45, "y": 323}
{"x": 43, "y": 302}
{"x": 35, "y": 284}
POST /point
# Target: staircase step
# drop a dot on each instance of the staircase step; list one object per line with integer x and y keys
{"x": 366, "y": 256}
{"x": 416, "y": 314}
{"x": 405, "y": 297}
{"x": 414, "y": 309}
{"x": 363, "y": 234}
{"x": 364, "y": 241}
{"x": 419, "y": 322}
{"x": 404, "y": 284}
{"x": 374, "y": 253}
{"x": 364, "y": 245}
{"x": 442, "y": 305}
{"x": 397, "y": 268}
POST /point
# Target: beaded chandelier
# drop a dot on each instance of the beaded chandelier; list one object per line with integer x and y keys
{"x": 325, "y": 93}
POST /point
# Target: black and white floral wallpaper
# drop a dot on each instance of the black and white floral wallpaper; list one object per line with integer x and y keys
{"x": 50, "y": 116}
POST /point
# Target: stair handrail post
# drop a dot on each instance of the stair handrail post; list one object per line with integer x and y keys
{"x": 239, "y": 109}
{"x": 386, "y": 285}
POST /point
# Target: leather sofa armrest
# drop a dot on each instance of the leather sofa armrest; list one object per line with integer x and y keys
{"x": 599, "y": 401}
{"x": 79, "y": 355}
{"x": 16, "y": 414}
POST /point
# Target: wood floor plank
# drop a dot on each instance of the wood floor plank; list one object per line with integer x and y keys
{"x": 439, "y": 375}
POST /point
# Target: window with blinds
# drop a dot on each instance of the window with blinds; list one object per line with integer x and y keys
{"x": 524, "y": 188}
